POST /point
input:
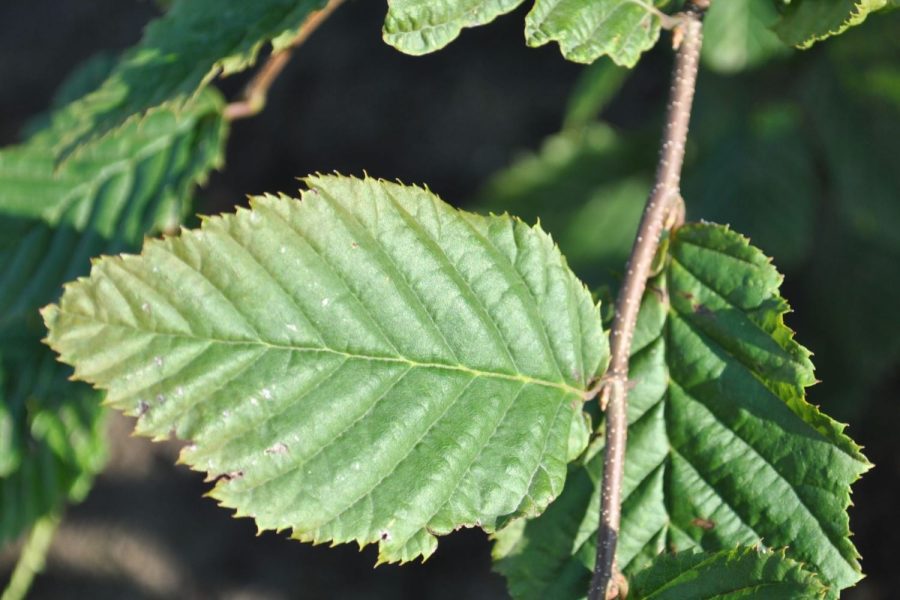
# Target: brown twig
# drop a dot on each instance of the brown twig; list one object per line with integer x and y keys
{"x": 253, "y": 98}
{"x": 663, "y": 198}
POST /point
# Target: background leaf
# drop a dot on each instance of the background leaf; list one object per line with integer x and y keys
{"x": 52, "y": 222}
{"x": 737, "y": 35}
{"x": 181, "y": 52}
{"x": 331, "y": 357}
{"x": 723, "y": 448}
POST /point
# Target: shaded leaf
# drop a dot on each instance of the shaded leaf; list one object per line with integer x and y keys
{"x": 594, "y": 90}
{"x": 737, "y": 35}
{"x": 723, "y": 449}
{"x": 596, "y": 182}
{"x": 181, "y": 52}
{"x": 52, "y": 222}
{"x": 804, "y": 22}
{"x": 367, "y": 364}
{"x": 743, "y": 573}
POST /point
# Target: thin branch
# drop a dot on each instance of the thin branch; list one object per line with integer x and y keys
{"x": 664, "y": 197}
{"x": 253, "y": 98}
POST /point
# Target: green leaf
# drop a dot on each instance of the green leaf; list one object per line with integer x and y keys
{"x": 737, "y": 35}
{"x": 585, "y": 31}
{"x": 723, "y": 449}
{"x": 421, "y": 26}
{"x": 599, "y": 181}
{"x": 367, "y": 364}
{"x": 104, "y": 200}
{"x": 52, "y": 222}
{"x": 596, "y": 87}
{"x": 57, "y": 442}
{"x": 805, "y": 22}
{"x": 743, "y": 573}
{"x": 181, "y": 52}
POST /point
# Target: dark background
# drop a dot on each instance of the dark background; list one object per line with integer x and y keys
{"x": 349, "y": 103}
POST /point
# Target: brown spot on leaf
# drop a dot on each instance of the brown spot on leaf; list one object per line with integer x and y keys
{"x": 705, "y": 524}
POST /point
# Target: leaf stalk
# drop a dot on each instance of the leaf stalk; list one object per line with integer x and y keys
{"x": 664, "y": 204}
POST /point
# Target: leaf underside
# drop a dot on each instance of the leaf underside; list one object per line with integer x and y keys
{"x": 723, "y": 449}
{"x": 805, "y": 22}
{"x": 367, "y": 364}
{"x": 52, "y": 221}
{"x": 585, "y": 30}
{"x": 742, "y": 573}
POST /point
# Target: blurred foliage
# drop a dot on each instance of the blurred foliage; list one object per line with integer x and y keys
{"x": 53, "y": 219}
{"x": 800, "y": 155}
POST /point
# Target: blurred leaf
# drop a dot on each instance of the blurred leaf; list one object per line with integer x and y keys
{"x": 804, "y": 22}
{"x": 585, "y": 29}
{"x": 52, "y": 221}
{"x": 742, "y": 573}
{"x": 595, "y": 88}
{"x": 756, "y": 172}
{"x": 367, "y": 364}
{"x": 737, "y": 35}
{"x": 723, "y": 448}
{"x": 181, "y": 52}
{"x": 858, "y": 132}
{"x": 587, "y": 186}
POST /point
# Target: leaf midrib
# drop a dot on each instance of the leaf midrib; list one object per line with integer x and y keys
{"x": 412, "y": 363}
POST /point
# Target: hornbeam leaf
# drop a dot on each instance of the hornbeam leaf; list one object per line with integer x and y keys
{"x": 181, "y": 52}
{"x": 367, "y": 364}
{"x": 742, "y": 573}
{"x": 584, "y": 29}
{"x": 805, "y": 22}
{"x": 589, "y": 29}
{"x": 723, "y": 449}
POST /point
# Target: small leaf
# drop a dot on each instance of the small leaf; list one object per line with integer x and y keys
{"x": 585, "y": 30}
{"x": 805, "y": 22}
{"x": 421, "y": 26}
{"x": 742, "y": 573}
{"x": 367, "y": 364}
{"x": 723, "y": 449}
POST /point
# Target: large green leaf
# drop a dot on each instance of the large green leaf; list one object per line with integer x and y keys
{"x": 723, "y": 449}
{"x": 367, "y": 364}
{"x": 585, "y": 30}
{"x": 743, "y": 573}
{"x": 805, "y": 22}
{"x": 52, "y": 222}
{"x": 180, "y": 53}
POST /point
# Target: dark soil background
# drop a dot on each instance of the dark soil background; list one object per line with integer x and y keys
{"x": 346, "y": 103}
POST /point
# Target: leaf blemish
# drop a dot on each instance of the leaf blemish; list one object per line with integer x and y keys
{"x": 705, "y": 524}
{"x": 277, "y": 448}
